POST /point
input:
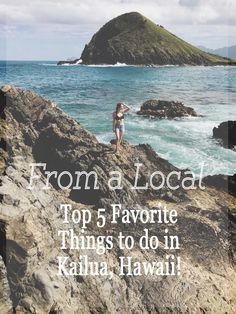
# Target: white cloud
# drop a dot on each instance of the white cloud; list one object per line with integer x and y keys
{"x": 198, "y": 21}
{"x": 189, "y": 3}
{"x": 78, "y": 12}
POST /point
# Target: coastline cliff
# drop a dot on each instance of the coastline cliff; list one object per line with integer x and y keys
{"x": 35, "y": 130}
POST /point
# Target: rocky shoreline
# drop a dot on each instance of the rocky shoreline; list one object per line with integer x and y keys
{"x": 33, "y": 129}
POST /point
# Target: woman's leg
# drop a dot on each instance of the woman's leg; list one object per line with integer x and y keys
{"x": 121, "y": 135}
{"x": 117, "y": 139}
{"x": 122, "y": 131}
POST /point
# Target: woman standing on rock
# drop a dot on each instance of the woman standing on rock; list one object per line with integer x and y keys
{"x": 118, "y": 122}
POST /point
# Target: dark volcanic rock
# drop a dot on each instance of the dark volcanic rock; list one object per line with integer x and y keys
{"x": 226, "y": 131}
{"x": 165, "y": 109}
{"x": 65, "y": 62}
{"x": 36, "y": 130}
{"x": 223, "y": 182}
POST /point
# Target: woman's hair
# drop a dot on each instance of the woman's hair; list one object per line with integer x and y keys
{"x": 119, "y": 104}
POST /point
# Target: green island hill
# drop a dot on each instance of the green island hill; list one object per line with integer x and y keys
{"x": 133, "y": 39}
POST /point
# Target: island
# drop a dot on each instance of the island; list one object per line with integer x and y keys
{"x": 133, "y": 39}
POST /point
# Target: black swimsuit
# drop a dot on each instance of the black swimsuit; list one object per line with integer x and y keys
{"x": 119, "y": 126}
{"x": 120, "y": 118}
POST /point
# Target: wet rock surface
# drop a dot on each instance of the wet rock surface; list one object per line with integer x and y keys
{"x": 68, "y": 62}
{"x": 36, "y": 130}
{"x": 165, "y": 109}
{"x": 222, "y": 182}
{"x": 226, "y": 132}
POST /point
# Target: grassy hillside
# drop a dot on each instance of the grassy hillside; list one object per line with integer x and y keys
{"x": 134, "y": 39}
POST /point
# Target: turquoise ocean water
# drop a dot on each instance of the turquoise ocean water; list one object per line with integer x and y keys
{"x": 89, "y": 94}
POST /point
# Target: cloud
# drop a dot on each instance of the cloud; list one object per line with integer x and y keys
{"x": 189, "y": 3}
{"x": 55, "y": 20}
{"x": 92, "y": 12}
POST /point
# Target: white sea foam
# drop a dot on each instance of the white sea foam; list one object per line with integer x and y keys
{"x": 69, "y": 64}
{"x": 118, "y": 64}
{"x": 104, "y": 138}
{"x": 164, "y": 65}
{"x": 188, "y": 117}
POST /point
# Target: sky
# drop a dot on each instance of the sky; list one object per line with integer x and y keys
{"x": 59, "y": 29}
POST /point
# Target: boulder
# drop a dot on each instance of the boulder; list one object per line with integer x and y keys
{"x": 222, "y": 182}
{"x": 226, "y": 132}
{"x": 69, "y": 62}
{"x": 165, "y": 109}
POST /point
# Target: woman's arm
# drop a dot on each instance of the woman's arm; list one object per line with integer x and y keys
{"x": 113, "y": 121}
{"x": 127, "y": 108}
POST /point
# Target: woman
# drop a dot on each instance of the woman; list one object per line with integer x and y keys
{"x": 118, "y": 122}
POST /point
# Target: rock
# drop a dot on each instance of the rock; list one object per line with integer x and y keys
{"x": 5, "y": 301}
{"x": 222, "y": 182}
{"x": 38, "y": 131}
{"x": 68, "y": 62}
{"x": 132, "y": 38}
{"x": 226, "y": 132}
{"x": 165, "y": 109}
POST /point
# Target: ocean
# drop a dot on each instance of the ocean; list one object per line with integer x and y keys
{"x": 89, "y": 94}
